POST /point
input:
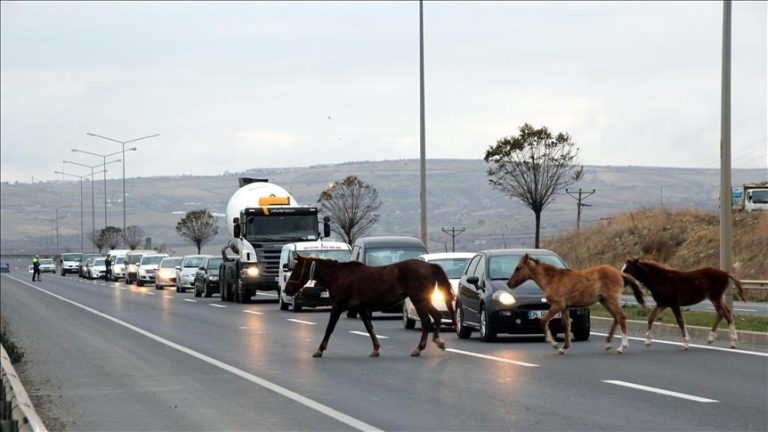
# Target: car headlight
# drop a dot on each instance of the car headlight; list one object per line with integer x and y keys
{"x": 438, "y": 298}
{"x": 504, "y": 298}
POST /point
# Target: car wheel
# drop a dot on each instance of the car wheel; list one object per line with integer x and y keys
{"x": 283, "y": 304}
{"x": 462, "y": 331}
{"x": 206, "y": 292}
{"x": 487, "y": 332}
{"x": 580, "y": 329}
{"x": 408, "y": 323}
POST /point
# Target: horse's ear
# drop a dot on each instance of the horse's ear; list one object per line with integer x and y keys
{"x": 525, "y": 258}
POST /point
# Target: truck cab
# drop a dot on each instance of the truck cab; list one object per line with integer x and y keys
{"x": 756, "y": 198}
{"x": 337, "y": 251}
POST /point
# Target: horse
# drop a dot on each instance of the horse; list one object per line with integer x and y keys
{"x": 671, "y": 288}
{"x": 361, "y": 288}
{"x": 566, "y": 288}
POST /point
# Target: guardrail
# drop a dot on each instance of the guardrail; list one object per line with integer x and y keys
{"x": 757, "y": 290}
{"x": 16, "y": 411}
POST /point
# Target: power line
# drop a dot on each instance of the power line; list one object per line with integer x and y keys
{"x": 453, "y": 232}
{"x": 579, "y": 205}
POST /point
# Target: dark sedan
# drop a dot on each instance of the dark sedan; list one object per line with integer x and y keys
{"x": 485, "y": 303}
{"x": 207, "y": 277}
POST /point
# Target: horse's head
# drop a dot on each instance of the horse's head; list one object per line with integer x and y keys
{"x": 632, "y": 267}
{"x": 301, "y": 272}
{"x": 522, "y": 272}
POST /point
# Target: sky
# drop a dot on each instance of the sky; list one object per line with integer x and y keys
{"x": 243, "y": 85}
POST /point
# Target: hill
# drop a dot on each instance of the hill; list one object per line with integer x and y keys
{"x": 458, "y": 196}
{"x": 684, "y": 239}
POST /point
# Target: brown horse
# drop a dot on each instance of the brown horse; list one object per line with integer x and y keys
{"x": 356, "y": 286}
{"x": 671, "y": 289}
{"x": 565, "y": 288}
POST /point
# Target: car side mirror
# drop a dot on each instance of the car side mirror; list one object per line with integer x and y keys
{"x": 178, "y": 268}
{"x": 326, "y": 226}
{"x": 473, "y": 280}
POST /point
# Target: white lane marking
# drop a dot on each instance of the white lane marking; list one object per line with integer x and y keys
{"x": 730, "y": 350}
{"x": 487, "y": 357}
{"x": 366, "y": 334}
{"x": 168, "y": 296}
{"x": 301, "y": 322}
{"x": 216, "y": 305}
{"x": 296, "y": 397}
{"x": 190, "y": 300}
{"x": 660, "y": 391}
{"x": 150, "y": 292}
{"x": 123, "y": 288}
{"x": 745, "y": 310}
{"x": 252, "y": 312}
{"x": 266, "y": 294}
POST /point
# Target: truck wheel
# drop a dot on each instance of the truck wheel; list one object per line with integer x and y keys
{"x": 296, "y": 305}
{"x": 283, "y": 304}
{"x": 140, "y": 283}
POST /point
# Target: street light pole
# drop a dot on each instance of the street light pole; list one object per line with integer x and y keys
{"x": 104, "y": 167}
{"x": 81, "y": 203}
{"x": 93, "y": 190}
{"x": 123, "y": 143}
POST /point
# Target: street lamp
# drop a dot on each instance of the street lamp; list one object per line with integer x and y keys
{"x": 81, "y": 177}
{"x": 123, "y": 143}
{"x": 93, "y": 190}
{"x": 104, "y": 166}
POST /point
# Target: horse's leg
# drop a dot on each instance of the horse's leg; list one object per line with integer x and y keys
{"x": 365, "y": 315}
{"x": 553, "y": 310}
{"x": 612, "y": 330}
{"x": 681, "y": 324}
{"x": 657, "y": 310}
{"x": 722, "y": 310}
{"x": 437, "y": 321}
{"x": 614, "y": 308}
{"x": 421, "y": 310}
{"x": 718, "y": 304}
{"x": 335, "y": 314}
{"x": 566, "y": 320}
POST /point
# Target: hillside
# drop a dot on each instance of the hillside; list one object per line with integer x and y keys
{"x": 683, "y": 239}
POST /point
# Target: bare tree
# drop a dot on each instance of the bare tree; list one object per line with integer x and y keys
{"x": 98, "y": 240}
{"x": 110, "y": 236}
{"x": 198, "y": 226}
{"x": 351, "y": 204}
{"x": 133, "y": 236}
{"x": 532, "y": 166}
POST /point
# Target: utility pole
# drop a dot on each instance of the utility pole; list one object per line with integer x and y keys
{"x": 422, "y": 134}
{"x": 453, "y": 232}
{"x": 579, "y": 205}
{"x": 726, "y": 215}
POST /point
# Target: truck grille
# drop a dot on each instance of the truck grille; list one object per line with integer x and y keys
{"x": 269, "y": 261}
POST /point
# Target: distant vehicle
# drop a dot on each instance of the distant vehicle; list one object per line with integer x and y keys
{"x": 453, "y": 263}
{"x": 185, "y": 273}
{"x": 147, "y": 268}
{"x": 384, "y": 250}
{"x": 751, "y": 197}
{"x": 310, "y": 296}
{"x": 96, "y": 268}
{"x": 47, "y": 265}
{"x": 207, "y": 277}
{"x": 485, "y": 303}
{"x": 69, "y": 262}
{"x": 118, "y": 268}
{"x": 132, "y": 260}
{"x": 166, "y": 272}
{"x": 83, "y": 269}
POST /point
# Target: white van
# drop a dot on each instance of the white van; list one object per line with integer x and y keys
{"x": 317, "y": 296}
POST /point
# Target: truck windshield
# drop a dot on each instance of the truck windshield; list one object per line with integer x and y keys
{"x": 281, "y": 228}
{"x": 341, "y": 255}
{"x": 760, "y": 196}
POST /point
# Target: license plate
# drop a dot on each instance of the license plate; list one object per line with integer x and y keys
{"x": 539, "y": 314}
{"x": 324, "y": 294}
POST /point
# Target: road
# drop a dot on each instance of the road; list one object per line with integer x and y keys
{"x": 741, "y": 308}
{"x": 114, "y": 357}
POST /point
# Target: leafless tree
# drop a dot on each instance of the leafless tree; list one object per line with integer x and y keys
{"x": 351, "y": 204}
{"x": 133, "y": 236}
{"x": 98, "y": 241}
{"x": 532, "y": 166}
{"x": 198, "y": 226}
{"x": 110, "y": 236}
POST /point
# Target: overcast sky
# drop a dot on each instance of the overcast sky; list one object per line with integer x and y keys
{"x": 233, "y": 86}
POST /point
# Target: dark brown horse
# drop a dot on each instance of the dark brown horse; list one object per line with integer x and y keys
{"x": 356, "y": 286}
{"x": 566, "y": 288}
{"x": 672, "y": 289}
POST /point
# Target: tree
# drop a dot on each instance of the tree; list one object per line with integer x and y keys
{"x": 98, "y": 240}
{"x": 198, "y": 226}
{"x": 110, "y": 236}
{"x": 532, "y": 166}
{"x": 351, "y": 204}
{"x": 133, "y": 236}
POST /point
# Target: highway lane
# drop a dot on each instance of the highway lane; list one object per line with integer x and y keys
{"x": 746, "y": 308}
{"x": 450, "y": 390}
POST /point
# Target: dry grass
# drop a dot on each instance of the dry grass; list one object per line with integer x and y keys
{"x": 682, "y": 239}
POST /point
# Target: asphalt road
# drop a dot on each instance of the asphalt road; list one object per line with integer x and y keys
{"x": 110, "y": 357}
{"x": 739, "y": 307}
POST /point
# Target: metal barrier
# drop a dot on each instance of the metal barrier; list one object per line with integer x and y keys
{"x": 16, "y": 411}
{"x": 757, "y": 290}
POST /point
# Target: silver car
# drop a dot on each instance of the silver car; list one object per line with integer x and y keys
{"x": 185, "y": 274}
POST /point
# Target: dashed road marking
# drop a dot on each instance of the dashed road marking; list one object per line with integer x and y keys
{"x": 487, "y": 357}
{"x": 301, "y": 322}
{"x": 730, "y": 350}
{"x": 190, "y": 300}
{"x": 366, "y": 334}
{"x": 168, "y": 296}
{"x": 217, "y": 305}
{"x": 252, "y": 312}
{"x": 660, "y": 391}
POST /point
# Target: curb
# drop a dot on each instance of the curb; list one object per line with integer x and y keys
{"x": 700, "y": 334}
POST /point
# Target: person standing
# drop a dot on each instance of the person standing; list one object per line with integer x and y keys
{"x": 36, "y": 268}
{"x": 107, "y": 268}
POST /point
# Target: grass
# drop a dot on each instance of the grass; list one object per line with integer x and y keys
{"x": 692, "y": 318}
{"x": 13, "y": 350}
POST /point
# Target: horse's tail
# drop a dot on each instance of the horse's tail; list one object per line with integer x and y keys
{"x": 632, "y": 282}
{"x": 444, "y": 286}
{"x": 740, "y": 289}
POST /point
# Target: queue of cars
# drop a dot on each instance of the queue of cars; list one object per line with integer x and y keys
{"x": 483, "y": 302}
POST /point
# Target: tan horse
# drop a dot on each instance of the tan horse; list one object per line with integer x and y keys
{"x": 565, "y": 288}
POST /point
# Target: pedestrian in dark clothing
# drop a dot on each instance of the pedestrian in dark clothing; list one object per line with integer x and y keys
{"x": 36, "y": 268}
{"x": 107, "y": 268}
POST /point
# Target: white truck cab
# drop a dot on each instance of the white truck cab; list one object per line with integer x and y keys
{"x": 335, "y": 250}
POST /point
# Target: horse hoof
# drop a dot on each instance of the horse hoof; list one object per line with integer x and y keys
{"x": 619, "y": 350}
{"x": 415, "y": 353}
{"x": 440, "y": 344}
{"x": 733, "y": 346}
{"x": 373, "y": 354}
{"x": 562, "y": 351}
{"x": 317, "y": 354}
{"x": 608, "y": 347}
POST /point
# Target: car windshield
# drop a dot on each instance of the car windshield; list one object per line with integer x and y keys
{"x": 214, "y": 263}
{"x": 172, "y": 262}
{"x": 502, "y": 266}
{"x": 453, "y": 267}
{"x": 119, "y": 260}
{"x": 47, "y": 261}
{"x": 334, "y": 254}
{"x": 98, "y": 262}
{"x": 390, "y": 255}
{"x": 151, "y": 259}
{"x": 193, "y": 261}
{"x": 71, "y": 257}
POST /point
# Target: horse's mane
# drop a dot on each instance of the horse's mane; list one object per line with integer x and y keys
{"x": 658, "y": 265}
{"x": 547, "y": 266}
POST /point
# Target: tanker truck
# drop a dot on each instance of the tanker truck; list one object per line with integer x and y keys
{"x": 261, "y": 218}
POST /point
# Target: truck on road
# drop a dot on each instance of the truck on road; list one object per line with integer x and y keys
{"x": 751, "y": 197}
{"x": 261, "y": 217}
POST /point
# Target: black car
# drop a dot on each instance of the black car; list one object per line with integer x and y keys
{"x": 207, "y": 277}
{"x": 485, "y": 303}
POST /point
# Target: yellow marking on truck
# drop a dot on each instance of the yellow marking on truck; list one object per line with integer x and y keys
{"x": 274, "y": 200}
{"x": 265, "y": 210}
